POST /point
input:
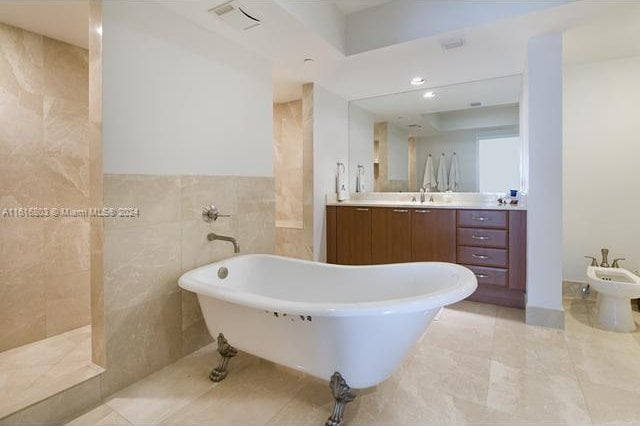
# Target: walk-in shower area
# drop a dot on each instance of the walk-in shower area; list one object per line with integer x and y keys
{"x": 45, "y": 308}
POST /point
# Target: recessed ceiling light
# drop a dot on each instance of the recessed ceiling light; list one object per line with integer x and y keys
{"x": 429, "y": 95}
{"x": 417, "y": 81}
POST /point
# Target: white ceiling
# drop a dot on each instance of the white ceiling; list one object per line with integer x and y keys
{"x": 493, "y": 49}
{"x": 65, "y": 20}
{"x": 350, "y": 6}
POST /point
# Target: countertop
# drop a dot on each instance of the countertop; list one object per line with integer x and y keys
{"x": 430, "y": 205}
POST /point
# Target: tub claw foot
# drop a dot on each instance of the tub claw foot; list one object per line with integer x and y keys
{"x": 342, "y": 395}
{"x": 227, "y": 352}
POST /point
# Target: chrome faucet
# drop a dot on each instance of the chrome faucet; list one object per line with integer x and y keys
{"x": 212, "y": 236}
{"x": 422, "y": 195}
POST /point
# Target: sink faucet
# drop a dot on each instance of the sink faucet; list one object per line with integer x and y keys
{"x": 605, "y": 256}
{"x": 422, "y": 195}
{"x": 212, "y": 236}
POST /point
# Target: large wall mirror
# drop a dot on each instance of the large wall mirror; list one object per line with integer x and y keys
{"x": 461, "y": 138}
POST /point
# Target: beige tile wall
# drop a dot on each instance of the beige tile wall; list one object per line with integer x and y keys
{"x": 293, "y": 156}
{"x": 149, "y": 321}
{"x": 382, "y": 183}
{"x": 287, "y": 148}
{"x": 44, "y": 162}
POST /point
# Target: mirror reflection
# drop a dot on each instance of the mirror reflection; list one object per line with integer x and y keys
{"x": 460, "y": 138}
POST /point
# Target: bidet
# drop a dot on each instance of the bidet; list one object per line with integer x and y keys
{"x": 616, "y": 287}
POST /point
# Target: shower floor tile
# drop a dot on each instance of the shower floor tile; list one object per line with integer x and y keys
{"x": 34, "y": 372}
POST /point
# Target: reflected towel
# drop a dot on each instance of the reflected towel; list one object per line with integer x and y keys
{"x": 442, "y": 174}
{"x": 429, "y": 179}
{"x": 454, "y": 174}
{"x": 360, "y": 180}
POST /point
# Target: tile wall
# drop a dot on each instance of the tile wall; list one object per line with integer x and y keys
{"x": 149, "y": 321}
{"x": 44, "y": 162}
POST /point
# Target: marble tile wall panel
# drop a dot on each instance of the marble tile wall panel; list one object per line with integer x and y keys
{"x": 44, "y": 162}
{"x": 288, "y": 158}
{"x": 94, "y": 132}
{"x": 149, "y": 321}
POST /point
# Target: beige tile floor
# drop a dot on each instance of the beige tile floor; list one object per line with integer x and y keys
{"x": 478, "y": 364}
{"x": 33, "y": 372}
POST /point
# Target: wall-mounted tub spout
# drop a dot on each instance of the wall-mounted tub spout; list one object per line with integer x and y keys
{"x": 212, "y": 236}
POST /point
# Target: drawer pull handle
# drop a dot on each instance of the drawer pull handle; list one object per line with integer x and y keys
{"x": 400, "y": 211}
{"x": 482, "y": 275}
{"x": 480, "y": 256}
{"x": 479, "y": 237}
{"x": 480, "y": 218}
{"x": 360, "y": 209}
{"x": 423, "y": 211}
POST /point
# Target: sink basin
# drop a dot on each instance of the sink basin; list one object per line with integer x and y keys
{"x": 616, "y": 287}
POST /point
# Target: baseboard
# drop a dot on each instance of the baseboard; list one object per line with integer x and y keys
{"x": 543, "y": 317}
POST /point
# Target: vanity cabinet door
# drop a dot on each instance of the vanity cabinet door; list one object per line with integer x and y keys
{"x": 353, "y": 239}
{"x": 433, "y": 235}
{"x": 391, "y": 235}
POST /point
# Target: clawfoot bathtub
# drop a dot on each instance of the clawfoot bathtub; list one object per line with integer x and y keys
{"x": 352, "y": 325}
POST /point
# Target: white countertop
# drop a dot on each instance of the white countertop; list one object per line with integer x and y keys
{"x": 431, "y": 205}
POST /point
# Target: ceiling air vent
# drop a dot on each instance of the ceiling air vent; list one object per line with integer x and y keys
{"x": 452, "y": 43}
{"x": 235, "y": 16}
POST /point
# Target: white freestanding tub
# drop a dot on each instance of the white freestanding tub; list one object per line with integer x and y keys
{"x": 360, "y": 321}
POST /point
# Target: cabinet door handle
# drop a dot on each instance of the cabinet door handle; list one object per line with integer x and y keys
{"x": 361, "y": 209}
{"x": 480, "y": 256}
{"x": 482, "y": 275}
{"x": 423, "y": 211}
{"x": 479, "y": 237}
{"x": 480, "y": 218}
{"x": 400, "y": 211}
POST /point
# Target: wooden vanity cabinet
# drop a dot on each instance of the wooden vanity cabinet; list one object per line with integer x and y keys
{"x": 433, "y": 235}
{"x": 390, "y": 235}
{"x": 353, "y": 236}
{"x": 492, "y": 243}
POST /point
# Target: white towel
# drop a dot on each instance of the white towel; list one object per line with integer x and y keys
{"x": 360, "y": 180}
{"x": 442, "y": 175}
{"x": 341, "y": 183}
{"x": 454, "y": 174}
{"x": 429, "y": 179}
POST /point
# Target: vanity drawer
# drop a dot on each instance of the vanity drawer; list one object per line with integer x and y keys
{"x": 493, "y": 276}
{"x": 482, "y": 219}
{"x": 479, "y": 237}
{"x": 481, "y": 256}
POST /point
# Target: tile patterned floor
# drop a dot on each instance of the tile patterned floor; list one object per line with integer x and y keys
{"x": 478, "y": 364}
{"x": 33, "y": 372}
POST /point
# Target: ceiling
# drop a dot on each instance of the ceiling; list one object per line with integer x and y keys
{"x": 496, "y": 48}
{"x": 65, "y": 20}
{"x": 593, "y": 30}
{"x": 350, "y": 6}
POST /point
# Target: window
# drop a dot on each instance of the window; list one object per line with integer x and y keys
{"x": 499, "y": 164}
